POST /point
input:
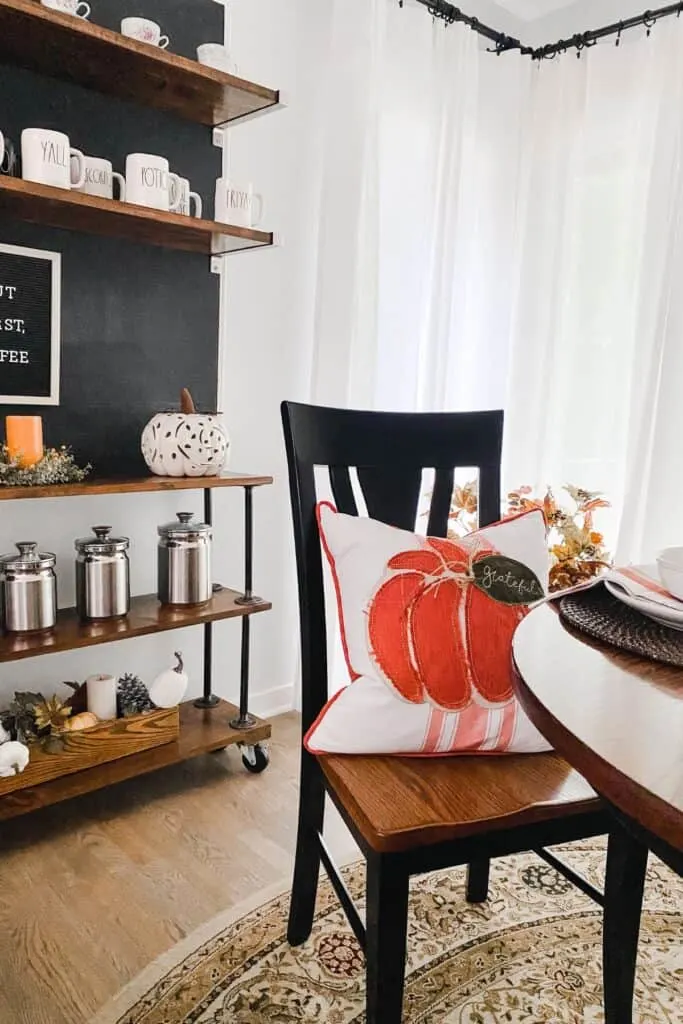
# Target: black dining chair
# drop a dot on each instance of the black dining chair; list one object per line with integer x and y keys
{"x": 408, "y": 815}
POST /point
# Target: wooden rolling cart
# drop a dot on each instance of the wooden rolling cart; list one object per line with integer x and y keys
{"x": 206, "y": 724}
{"x": 72, "y": 50}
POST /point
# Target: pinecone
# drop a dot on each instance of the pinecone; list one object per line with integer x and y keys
{"x": 132, "y": 697}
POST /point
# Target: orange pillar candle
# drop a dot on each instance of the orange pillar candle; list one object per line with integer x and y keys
{"x": 24, "y": 439}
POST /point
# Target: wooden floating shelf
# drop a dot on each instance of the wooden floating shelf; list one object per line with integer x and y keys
{"x": 65, "y": 208}
{"x": 73, "y": 50}
{"x": 133, "y": 485}
{"x": 200, "y": 732}
{"x": 146, "y": 616}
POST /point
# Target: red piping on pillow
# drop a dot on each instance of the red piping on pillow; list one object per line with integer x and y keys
{"x": 337, "y": 587}
{"x": 321, "y": 715}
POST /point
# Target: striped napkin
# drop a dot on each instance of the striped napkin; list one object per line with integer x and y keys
{"x": 642, "y": 581}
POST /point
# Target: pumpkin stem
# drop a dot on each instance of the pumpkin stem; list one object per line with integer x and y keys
{"x": 186, "y": 402}
{"x": 179, "y": 668}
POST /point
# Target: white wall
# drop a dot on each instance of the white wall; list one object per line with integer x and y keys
{"x": 269, "y": 319}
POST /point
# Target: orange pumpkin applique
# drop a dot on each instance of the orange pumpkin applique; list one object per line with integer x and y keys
{"x": 440, "y": 626}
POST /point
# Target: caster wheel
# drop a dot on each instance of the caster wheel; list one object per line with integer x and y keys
{"x": 255, "y": 759}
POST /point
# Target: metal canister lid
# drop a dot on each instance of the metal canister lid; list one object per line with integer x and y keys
{"x": 185, "y": 528}
{"x": 102, "y": 543}
{"x": 29, "y": 559}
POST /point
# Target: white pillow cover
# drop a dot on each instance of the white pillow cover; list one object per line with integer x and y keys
{"x": 427, "y": 645}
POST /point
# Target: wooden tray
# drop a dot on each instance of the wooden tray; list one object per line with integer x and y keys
{"x": 108, "y": 741}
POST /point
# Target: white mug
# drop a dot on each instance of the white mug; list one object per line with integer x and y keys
{"x": 235, "y": 204}
{"x": 79, "y": 8}
{"x": 46, "y": 157}
{"x": 145, "y": 30}
{"x": 8, "y": 155}
{"x": 150, "y": 183}
{"x": 100, "y": 178}
{"x": 183, "y": 200}
{"x": 215, "y": 55}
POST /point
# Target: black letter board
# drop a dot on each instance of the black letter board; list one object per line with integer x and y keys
{"x": 29, "y": 326}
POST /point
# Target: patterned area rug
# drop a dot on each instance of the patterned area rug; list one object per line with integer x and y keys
{"x": 531, "y": 954}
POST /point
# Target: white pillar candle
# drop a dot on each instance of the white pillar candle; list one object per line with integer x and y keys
{"x": 101, "y": 691}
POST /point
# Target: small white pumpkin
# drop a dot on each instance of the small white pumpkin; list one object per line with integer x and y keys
{"x": 13, "y": 758}
{"x": 168, "y": 689}
{"x": 185, "y": 443}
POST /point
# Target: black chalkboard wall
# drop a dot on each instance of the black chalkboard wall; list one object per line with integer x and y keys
{"x": 138, "y": 322}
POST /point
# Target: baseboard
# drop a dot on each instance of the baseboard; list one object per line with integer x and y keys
{"x": 272, "y": 702}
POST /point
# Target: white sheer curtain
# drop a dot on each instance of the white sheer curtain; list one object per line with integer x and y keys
{"x": 498, "y": 233}
{"x": 419, "y": 152}
{"x": 595, "y": 350}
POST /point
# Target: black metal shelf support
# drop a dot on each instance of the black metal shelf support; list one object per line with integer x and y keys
{"x": 245, "y": 720}
{"x": 208, "y": 699}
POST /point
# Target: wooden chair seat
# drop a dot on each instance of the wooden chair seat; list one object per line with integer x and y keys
{"x": 400, "y": 803}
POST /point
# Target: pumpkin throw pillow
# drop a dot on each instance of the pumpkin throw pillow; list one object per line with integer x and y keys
{"x": 427, "y": 628}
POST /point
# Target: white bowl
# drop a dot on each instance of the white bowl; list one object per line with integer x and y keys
{"x": 670, "y": 565}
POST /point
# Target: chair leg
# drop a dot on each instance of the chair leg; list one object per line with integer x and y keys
{"x": 478, "y": 881}
{"x": 307, "y": 859}
{"x": 386, "y": 919}
{"x": 624, "y": 883}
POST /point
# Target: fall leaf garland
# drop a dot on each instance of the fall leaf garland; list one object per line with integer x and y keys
{"x": 576, "y": 548}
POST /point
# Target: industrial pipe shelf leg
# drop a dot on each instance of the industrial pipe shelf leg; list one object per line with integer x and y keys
{"x": 245, "y": 720}
{"x": 208, "y": 699}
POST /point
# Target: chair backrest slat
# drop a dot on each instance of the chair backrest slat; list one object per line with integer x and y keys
{"x": 392, "y": 493}
{"x": 342, "y": 490}
{"x": 389, "y": 452}
{"x": 440, "y": 507}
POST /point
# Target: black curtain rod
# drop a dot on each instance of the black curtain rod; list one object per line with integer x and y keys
{"x": 580, "y": 41}
{"x": 450, "y": 14}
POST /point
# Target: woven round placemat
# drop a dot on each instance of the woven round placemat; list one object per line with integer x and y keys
{"x": 599, "y": 615}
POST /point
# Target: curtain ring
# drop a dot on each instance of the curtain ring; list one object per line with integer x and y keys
{"x": 621, "y": 29}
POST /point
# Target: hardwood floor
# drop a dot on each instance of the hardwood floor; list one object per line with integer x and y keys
{"x": 91, "y": 891}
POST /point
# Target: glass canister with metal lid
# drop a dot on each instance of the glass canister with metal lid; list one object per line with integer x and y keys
{"x": 102, "y": 575}
{"x": 28, "y": 589}
{"x": 184, "y": 561}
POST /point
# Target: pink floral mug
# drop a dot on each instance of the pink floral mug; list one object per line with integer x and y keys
{"x": 145, "y": 31}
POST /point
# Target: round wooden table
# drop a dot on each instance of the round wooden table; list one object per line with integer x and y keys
{"x": 618, "y": 720}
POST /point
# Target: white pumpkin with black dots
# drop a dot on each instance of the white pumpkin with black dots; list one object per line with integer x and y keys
{"x": 185, "y": 443}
